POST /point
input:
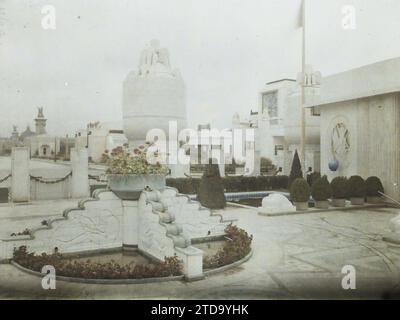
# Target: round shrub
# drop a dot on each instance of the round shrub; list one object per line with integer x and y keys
{"x": 374, "y": 186}
{"x": 300, "y": 190}
{"x": 321, "y": 189}
{"x": 340, "y": 188}
{"x": 357, "y": 187}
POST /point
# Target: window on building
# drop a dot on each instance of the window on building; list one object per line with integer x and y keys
{"x": 278, "y": 148}
{"x": 270, "y": 104}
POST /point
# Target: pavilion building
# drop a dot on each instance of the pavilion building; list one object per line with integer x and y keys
{"x": 360, "y": 123}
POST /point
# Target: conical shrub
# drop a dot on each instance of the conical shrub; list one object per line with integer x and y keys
{"x": 295, "y": 172}
{"x": 211, "y": 191}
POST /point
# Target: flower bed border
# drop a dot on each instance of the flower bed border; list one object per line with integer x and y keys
{"x": 99, "y": 281}
{"x": 91, "y": 253}
{"x": 233, "y": 265}
{"x": 207, "y": 272}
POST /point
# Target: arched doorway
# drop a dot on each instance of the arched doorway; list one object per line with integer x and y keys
{"x": 44, "y": 150}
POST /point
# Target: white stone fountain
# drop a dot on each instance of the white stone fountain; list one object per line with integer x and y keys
{"x": 160, "y": 224}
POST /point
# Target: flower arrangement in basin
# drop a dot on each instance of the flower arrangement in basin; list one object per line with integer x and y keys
{"x": 129, "y": 172}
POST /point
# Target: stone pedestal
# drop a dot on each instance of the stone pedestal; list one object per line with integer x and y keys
{"x": 130, "y": 224}
{"x": 80, "y": 173}
{"x": 20, "y": 180}
{"x": 192, "y": 262}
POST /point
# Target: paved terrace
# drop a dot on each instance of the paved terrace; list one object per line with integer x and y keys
{"x": 295, "y": 257}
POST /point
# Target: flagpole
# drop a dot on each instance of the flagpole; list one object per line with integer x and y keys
{"x": 303, "y": 93}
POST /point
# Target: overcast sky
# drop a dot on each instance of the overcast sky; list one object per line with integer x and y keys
{"x": 225, "y": 49}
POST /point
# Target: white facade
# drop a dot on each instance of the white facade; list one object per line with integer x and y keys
{"x": 280, "y": 125}
{"x": 41, "y": 144}
{"x": 152, "y": 96}
{"x": 44, "y": 146}
{"x": 360, "y": 123}
{"x": 251, "y": 150}
{"x": 99, "y": 138}
{"x": 154, "y": 104}
{"x": 277, "y": 126}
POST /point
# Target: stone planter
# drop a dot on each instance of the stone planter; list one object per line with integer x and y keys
{"x": 374, "y": 200}
{"x": 322, "y": 204}
{"x": 130, "y": 186}
{"x": 357, "y": 201}
{"x": 339, "y": 203}
{"x": 301, "y": 206}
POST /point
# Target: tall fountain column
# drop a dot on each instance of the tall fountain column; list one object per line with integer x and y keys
{"x": 80, "y": 173}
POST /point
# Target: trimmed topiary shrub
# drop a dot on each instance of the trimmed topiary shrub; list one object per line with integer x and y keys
{"x": 295, "y": 171}
{"x": 357, "y": 187}
{"x": 312, "y": 177}
{"x": 340, "y": 188}
{"x": 374, "y": 186}
{"x": 321, "y": 189}
{"x": 300, "y": 190}
{"x": 211, "y": 191}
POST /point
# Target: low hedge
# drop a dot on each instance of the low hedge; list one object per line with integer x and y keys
{"x": 232, "y": 184}
{"x": 185, "y": 185}
{"x": 313, "y": 177}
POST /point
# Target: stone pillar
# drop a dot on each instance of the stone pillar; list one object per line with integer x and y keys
{"x": 80, "y": 173}
{"x": 222, "y": 169}
{"x": 130, "y": 225}
{"x": 20, "y": 180}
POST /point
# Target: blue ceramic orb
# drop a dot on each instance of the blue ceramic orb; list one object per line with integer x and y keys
{"x": 334, "y": 165}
